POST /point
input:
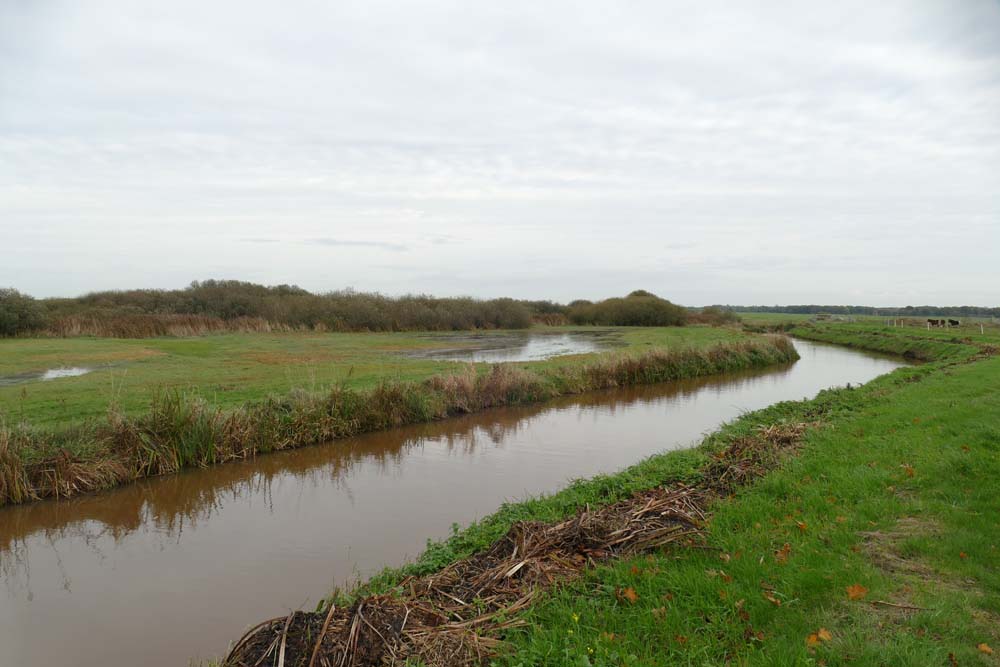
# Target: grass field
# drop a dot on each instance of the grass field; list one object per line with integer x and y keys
{"x": 876, "y": 543}
{"x": 969, "y": 324}
{"x": 228, "y": 370}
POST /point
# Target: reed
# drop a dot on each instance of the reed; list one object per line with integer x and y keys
{"x": 149, "y": 326}
{"x": 14, "y": 484}
{"x": 180, "y": 431}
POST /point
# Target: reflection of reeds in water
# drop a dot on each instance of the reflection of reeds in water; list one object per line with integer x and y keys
{"x": 180, "y": 432}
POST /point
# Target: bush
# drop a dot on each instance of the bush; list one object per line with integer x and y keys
{"x": 19, "y": 313}
{"x": 639, "y": 309}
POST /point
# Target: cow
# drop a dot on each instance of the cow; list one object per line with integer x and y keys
{"x": 954, "y": 323}
{"x": 935, "y": 323}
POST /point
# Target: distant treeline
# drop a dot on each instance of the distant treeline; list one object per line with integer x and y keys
{"x": 955, "y": 311}
{"x": 228, "y": 305}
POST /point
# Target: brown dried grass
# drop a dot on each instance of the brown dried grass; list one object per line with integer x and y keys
{"x": 149, "y": 326}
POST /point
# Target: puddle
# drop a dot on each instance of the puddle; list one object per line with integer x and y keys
{"x": 44, "y": 376}
{"x": 503, "y": 347}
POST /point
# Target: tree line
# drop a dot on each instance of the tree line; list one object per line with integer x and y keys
{"x": 887, "y": 311}
{"x": 230, "y": 305}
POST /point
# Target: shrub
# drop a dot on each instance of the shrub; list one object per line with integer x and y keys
{"x": 230, "y": 305}
{"x": 638, "y": 309}
{"x": 19, "y": 313}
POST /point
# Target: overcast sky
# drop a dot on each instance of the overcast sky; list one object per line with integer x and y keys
{"x": 831, "y": 152}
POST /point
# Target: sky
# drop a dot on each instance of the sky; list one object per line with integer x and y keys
{"x": 710, "y": 152}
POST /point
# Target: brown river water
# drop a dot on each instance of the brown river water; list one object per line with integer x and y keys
{"x": 169, "y": 570}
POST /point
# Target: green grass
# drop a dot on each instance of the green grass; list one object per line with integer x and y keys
{"x": 912, "y": 342}
{"x": 895, "y": 491}
{"x": 932, "y": 542}
{"x": 772, "y": 319}
{"x": 229, "y": 370}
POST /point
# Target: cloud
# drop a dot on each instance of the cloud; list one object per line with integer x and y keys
{"x": 358, "y": 244}
{"x": 733, "y": 151}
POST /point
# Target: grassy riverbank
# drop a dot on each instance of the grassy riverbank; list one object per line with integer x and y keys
{"x": 874, "y": 543}
{"x": 230, "y": 369}
{"x": 179, "y": 431}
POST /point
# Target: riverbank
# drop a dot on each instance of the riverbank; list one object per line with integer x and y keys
{"x": 914, "y": 343}
{"x": 875, "y": 543}
{"x": 180, "y": 431}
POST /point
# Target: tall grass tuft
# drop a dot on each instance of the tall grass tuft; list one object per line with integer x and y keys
{"x": 181, "y": 431}
{"x": 15, "y": 486}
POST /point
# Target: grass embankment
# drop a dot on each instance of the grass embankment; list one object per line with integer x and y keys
{"x": 876, "y": 543}
{"x": 179, "y": 431}
{"x": 913, "y": 342}
{"x": 229, "y": 370}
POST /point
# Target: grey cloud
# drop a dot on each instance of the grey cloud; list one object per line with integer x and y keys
{"x": 552, "y": 150}
{"x": 358, "y": 244}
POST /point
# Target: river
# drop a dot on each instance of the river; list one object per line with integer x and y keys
{"x": 167, "y": 570}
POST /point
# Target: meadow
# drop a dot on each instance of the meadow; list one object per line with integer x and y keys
{"x": 869, "y": 538}
{"x": 228, "y": 370}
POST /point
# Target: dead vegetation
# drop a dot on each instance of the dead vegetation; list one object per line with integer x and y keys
{"x": 156, "y": 325}
{"x": 457, "y": 616}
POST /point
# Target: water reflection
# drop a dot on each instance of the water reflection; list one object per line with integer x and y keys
{"x": 50, "y": 374}
{"x": 206, "y": 552}
{"x": 535, "y": 346}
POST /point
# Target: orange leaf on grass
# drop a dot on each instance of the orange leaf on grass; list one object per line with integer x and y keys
{"x": 985, "y": 648}
{"x": 815, "y": 638}
{"x": 856, "y": 591}
{"x": 629, "y": 594}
